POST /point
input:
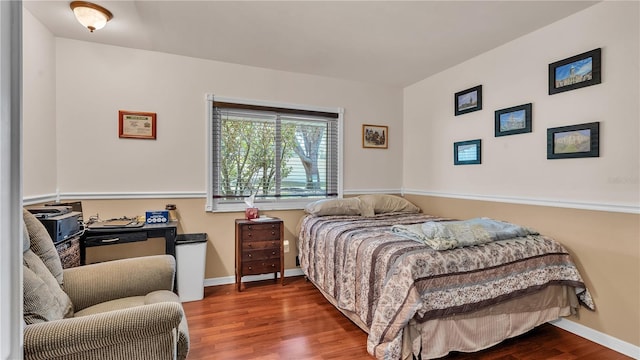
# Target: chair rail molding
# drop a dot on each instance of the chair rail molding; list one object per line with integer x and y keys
{"x": 621, "y": 208}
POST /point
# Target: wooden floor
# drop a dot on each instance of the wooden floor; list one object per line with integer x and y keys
{"x": 270, "y": 321}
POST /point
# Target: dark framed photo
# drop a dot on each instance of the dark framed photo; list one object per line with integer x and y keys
{"x": 575, "y": 72}
{"x": 575, "y": 141}
{"x": 513, "y": 120}
{"x": 468, "y": 100}
{"x": 136, "y": 125}
{"x": 466, "y": 152}
{"x": 375, "y": 136}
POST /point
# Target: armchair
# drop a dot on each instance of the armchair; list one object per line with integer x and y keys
{"x": 123, "y": 309}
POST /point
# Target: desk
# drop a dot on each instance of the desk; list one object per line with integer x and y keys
{"x": 112, "y": 236}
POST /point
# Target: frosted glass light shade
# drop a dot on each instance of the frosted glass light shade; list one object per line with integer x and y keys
{"x": 91, "y": 16}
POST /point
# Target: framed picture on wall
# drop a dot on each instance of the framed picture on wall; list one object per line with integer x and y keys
{"x": 575, "y": 141}
{"x": 468, "y": 100}
{"x": 575, "y": 72}
{"x": 375, "y": 136}
{"x": 467, "y": 152}
{"x": 136, "y": 125}
{"x": 513, "y": 120}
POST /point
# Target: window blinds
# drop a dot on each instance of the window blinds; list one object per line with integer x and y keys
{"x": 272, "y": 152}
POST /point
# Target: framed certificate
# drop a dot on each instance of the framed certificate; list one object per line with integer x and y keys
{"x": 137, "y": 125}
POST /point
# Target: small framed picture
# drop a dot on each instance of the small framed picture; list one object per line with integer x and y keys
{"x": 575, "y": 141}
{"x": 468, "y": 100}
{"x": 575, "y": 72}
{"x": 513, "y": 120}
{"x": 137, "y": 125}
{"x": 375, "y": 136}
{"x": 467, "y": 152}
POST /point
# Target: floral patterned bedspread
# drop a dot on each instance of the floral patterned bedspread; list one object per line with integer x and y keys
{"x": 387, "y": 279}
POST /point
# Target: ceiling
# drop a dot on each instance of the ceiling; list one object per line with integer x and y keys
{"x": 395, "y": 43}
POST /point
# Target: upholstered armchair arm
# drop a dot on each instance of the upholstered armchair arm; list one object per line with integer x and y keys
{"x": 142, "y": 332}
{"x": 96, "y": 283}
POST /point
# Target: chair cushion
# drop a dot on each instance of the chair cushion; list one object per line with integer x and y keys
{"x": 43, "y": 299}
{"x": 123, "y": 303}
{"x": 151, "y": 298}
{"x": 42, "y": 245}
{"x": 111, "y": 305}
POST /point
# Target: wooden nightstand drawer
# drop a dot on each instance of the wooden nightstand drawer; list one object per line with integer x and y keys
{"x": 260, "y": 267}
{"x": 259, "y": 248}
{"x": 260, "y": 232}
{"x": 259, "y": 245}
{"x": 267, "y": 254}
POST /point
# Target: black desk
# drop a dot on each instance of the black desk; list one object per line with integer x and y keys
{"x": 122, "y": 235}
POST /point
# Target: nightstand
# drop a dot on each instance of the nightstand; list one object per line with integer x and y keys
{"x": 259, "y": 248}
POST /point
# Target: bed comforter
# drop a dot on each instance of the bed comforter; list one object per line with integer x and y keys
{"x": 387, "y": 279}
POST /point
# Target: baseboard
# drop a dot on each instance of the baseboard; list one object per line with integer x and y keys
{"x": 226, "y": 280}
{"x": 605, "y": 340}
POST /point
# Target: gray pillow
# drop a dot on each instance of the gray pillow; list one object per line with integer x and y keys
{"x": 383, "y": 203}
{"x": 26, "y": 242}
{"x": 325, "y": 207}
{"x": 44, "y": 299}
{"x": 42, "y": 245}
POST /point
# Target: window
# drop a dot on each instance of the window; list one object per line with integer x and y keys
{"x": 284, "y": 155}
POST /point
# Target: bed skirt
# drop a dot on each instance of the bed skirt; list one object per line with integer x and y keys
{"x": 478, "y": 330}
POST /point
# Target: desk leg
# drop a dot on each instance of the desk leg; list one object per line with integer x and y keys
{"x": 83, "y": 252}
{"x": 170, "y": 242}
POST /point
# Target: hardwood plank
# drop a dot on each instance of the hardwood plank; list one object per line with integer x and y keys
{"x": 269, "y": 321}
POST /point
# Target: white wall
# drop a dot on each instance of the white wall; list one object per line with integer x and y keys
{"x": 516, "y": 73}
{"x": 39, "y": 108}
{"x": 95, "y": 81}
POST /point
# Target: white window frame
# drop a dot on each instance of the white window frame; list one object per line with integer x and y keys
{"x": 275, "y": 204}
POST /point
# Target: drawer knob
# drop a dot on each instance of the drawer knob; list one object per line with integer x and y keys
{"x": 249, "y": 234}
{"x": 273, "y": 253}
{"x": 250, "y": 268}
{"x": 250, "y": 255}
{"x": 273, "y": 265}
{"x": 273, "y": 233}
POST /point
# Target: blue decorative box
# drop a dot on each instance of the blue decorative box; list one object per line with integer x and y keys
{"x": 157, "y": 217}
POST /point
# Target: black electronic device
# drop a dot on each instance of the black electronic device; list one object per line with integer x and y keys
{"x": 75, "y": 205}
{"x": 62, "y": 227}
{"x": 42, "y": 212}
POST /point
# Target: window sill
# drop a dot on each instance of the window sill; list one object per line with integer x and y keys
{"x": 262, "y": 206}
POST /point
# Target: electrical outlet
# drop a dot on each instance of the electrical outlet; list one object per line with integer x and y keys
{"x": 286, "y": 246}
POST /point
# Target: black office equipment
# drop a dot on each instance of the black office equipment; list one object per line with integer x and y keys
{"x": 43, "y": 212}
{"x": 62, "y": 227}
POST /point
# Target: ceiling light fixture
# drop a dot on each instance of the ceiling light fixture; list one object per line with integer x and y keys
{"x": 91, "y": 16}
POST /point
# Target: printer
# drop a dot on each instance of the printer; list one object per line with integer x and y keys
{"x": 61, "y": 223}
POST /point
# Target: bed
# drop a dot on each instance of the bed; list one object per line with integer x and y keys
{"x": 418, "y": 302}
